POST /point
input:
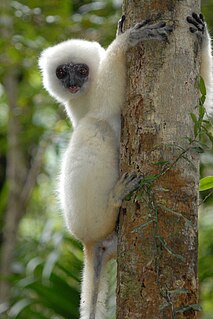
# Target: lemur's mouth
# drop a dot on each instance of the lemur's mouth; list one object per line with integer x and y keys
{"x": 73, "y": 89}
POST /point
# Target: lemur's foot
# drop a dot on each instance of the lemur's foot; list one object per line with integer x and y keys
{"x": 146, "y": 31}
{"x": 106, "y": 248}
{"x": 127, "y": 183}
{"x": 198, "y": 23}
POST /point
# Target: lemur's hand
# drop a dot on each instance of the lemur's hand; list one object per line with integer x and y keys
{"x": 197, "y": 24}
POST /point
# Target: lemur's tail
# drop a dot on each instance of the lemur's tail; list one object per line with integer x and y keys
{"x": 94, "y": 284}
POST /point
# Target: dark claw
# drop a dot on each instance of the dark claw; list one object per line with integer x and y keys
{"x": 128, "y": 177}
{"x": 162, "y": 24}
{"x": 122, "y": 22}
{"x": 201, "y": 17}
{"x": 169, "y": 28}
{"x": 121, "y": 25}
{"x": 132, "y": 177}
{"x": 159, "y": 25}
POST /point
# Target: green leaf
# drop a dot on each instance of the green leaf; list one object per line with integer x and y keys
{"x": 194, "y": 118}
{"x": 196, "y": 124}
{"x": 50, "y": 263}
{"x": 149, "y": 179}
{"x": 210, "y": 136}
{"x": 202, "y": 112}
{"x": 202, "y": 86}
{"x": 57, "y": 302}
{"x": 183, "y": 309}
{"x": 17, "y": 308}
{"x": 202, "y": 100}
{"x": 206, "y": 183}
{"x": 178, "y": 291}
{"x": 140, "y": 227}
{"x": 169, "y": 249}
{"x": 198, "y": 149}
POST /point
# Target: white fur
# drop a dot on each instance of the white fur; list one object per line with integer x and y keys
{"x": 206, "y": 71}
{"x": 91, "y": 54}
{"x": 88, "y": 287}
{"x": 89, "y": 191}
{"x": 90, "y": 167}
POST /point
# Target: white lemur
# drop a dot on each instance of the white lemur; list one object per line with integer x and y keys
{"x": 90, "y": 81}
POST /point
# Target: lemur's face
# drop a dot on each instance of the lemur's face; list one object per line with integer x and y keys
{"x": 72, "y": 76}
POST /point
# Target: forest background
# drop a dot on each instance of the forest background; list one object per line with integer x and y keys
{"x": 46, "y": 267}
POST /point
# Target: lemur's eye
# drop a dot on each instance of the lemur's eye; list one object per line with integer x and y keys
{"x": 60, "y": 72}
{"x": 83, "y": 70}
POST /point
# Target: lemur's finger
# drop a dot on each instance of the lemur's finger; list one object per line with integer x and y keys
{"x": 159, "y": 25}
{"x": 168, "y": 28}
{"x": 197, "y": 18}
{"x": 142, "y": 24}
{"x": 201, "y": 17}
{"x": 121, "y": 25}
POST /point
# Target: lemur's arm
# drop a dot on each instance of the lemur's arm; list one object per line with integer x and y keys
{"x": 199, "y": 27}
{"x": 112, "y": 68}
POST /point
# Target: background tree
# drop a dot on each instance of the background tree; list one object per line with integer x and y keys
{"x": 30, "y": 121}
{"x": 45, "y": 260}
{"x": 158, "y": 240}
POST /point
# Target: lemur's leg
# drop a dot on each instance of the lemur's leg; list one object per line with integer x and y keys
{"x": 106, "y": 249}
{"x": 103, "y": 252}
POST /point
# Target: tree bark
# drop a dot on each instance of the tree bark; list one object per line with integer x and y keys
{"x": 157, "y": 250}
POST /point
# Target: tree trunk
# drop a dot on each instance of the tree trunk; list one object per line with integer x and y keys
{"x": 19, "y": 180}
{"x": 157, "y": 251}
{"x": 16, "y": 173}
{"x": 15, "y": 170}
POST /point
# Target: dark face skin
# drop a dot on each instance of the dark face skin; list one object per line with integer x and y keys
{"x": 72, "y": 76}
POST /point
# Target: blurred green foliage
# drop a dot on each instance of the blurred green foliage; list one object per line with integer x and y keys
{"x": 46, "y": 279}
{"x": 47, "y": 268}
{"x": 48, "y": 263}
